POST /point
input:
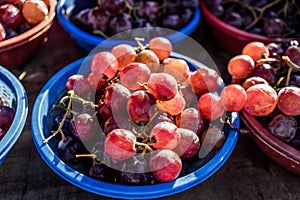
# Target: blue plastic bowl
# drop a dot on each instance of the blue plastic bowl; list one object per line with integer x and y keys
{"x": 15, "y": 95}
{"x": 88, "y": 41}
{"x": 51, "y": 94}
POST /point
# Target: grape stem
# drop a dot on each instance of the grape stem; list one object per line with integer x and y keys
{"x": 59, "y": 129}
{"x": 92, "y": 156}
{"x": 146, "y": 146}
{"x": 292, "y": 66}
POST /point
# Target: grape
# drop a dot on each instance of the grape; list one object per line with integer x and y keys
{"x": 212, "y": 140}
{"x": 165, "y": 165}
{"x": 102, "y": 172}
{"x": 253, "y": 81}
{"x": 295, "y": 142}
{"x": 34, "y": 11}
{"x": 283, "y": 127}
{"x": 233, "y": 19}
{"x": 134, "y": 75}
{"x": 119, "y": 23}
{"x": 124, "y": 53}
{"x": 81, "y": 19}
{"x": 240, "y": 66}
{"x": 261, "y": 100}
{"x": 105, "y": 63}
{"x": 161, "y": 46}
{"x": 66, "y": 128}
{"x": 173, "y": 106}
{"x": 186, "y": 15}
{"x": 256, "y": 50}
{"x": 165, "y": 136}
{"x": 289, "y": 100}
{"x": 295, "y": 80}
{"x": 116, "y": 97}
{"x": 14, "y": 2}
{"x": 190, "y": 3}
{"x": 64, "y": 143}
{"x": 2, "y": 33}
{"x": 116, "y": 121}
{"x": 96, "y": 81}
{"x": 10, "y": 33}
{"x": 274, "y": 49}
{"x": 178, "y": 68}
{"x": 149, "y": 10}
{"x": 191, "y": 119}
{"x": 104, "y": 112}
{"x": 120, "y": 144}
{"x": 172, "y": 21}
{"x": 2, "y": 133}
{"x": 79, "y": 84}
{"x": 141, "y": 107}
{"x": 162, "y": 86}
{"x": 233, "y": 98}
{"x": 70, "y": 149}
{"x": 10, "y": 16}
{"x": 149, "y": 58}
{"x": 267, "y": 72}
{"x": 190, "y": 97}
{"x": 189, "y": 143}
{"x": 98, "y": 19}
{"x": 217, "y": 10}
{"x": 7, "y": 115}
{"x": 204, "y": 81}
{"x": 293, "y": 52}
{"x": 210, "y": 106}
{"x": 85, "y": 126}
{"x": 274, "y": 27}
{"x": 160, "y": 117}
{"x": 113, "y": 7}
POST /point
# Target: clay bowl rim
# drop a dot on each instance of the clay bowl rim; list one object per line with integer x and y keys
{"x": 31, "y": 33}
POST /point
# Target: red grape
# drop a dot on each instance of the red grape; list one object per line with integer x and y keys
{"x": 134, "y": 75}
{"x": 256, "y": 50}
{"x": 240, "y": 66}
{"x": 80, "y": 85}
{"x": 149, "y": 58}
{"x": 173, "y": 106}
{"x": 162, "y": 86}
{"x": 124, "y": 53}
{"x": 10, "y": 16}
{"x": 105, "y": 63}
{"x": 165, "y": 135}
{"x": 85, "y": 126}
{"x": 191, "y": 119}
{"x": 233, "y": 98}
{"x": 289, "y": 100}
{"x": 210, "y": 106}
{"x": 119, "y": 144}
{"x": 34, "y": 11}
{"x": 253, "y": 81}
{"x": 165, "y": 165}
{"x": 161, "y": 46}
{"x": 177, "y": 68}
{"x": 212, "y": 140}
{"x": 189, "y": 143}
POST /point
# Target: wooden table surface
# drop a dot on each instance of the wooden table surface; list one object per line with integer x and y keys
{"x": 248, "y": 173}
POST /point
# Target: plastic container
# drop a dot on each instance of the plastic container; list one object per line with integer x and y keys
{"x": 18, "y": 50}
{"x": 283, "y": 154}
{"x": 230, "y": 38}
{"x": 14, "y": 94}
{"x": 53, "y": 91}
{"x": 88, "y": 41}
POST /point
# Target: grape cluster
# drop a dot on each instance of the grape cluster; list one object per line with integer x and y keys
{"x": 7, "y": 115}
{"x": 269, "y": 75}
{"x": 263, "y": 17}
{"x": 107, "y": 18}
{"x": 17, "y": 17}
{"x": 150, "y": 118}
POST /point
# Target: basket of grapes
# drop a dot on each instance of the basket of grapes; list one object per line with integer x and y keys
{"x": 24, "y": 28}
{"x": 91, "y": 22}
{"x": 13, "y": 111}
{"x": 234, "y": 23}
{"x": 149, "y": 122}
{"x": 270, "y": 75}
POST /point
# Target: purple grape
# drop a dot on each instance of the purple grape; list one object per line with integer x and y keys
{"x": 217, "y": 10}
{"x": 10, "y": 33}
{"x": 190, "y": 3}
{"x": 70, "y": 149}
{"x": 275, "y": 50}
{"x": 293, "y": 52}
{"x": 233, "y": 19}
{"x": 113, "y": 7}
{"x": 81, "y": 19}
{"x": 120, "y": 23}
{"x": 84, "y": 127}
{"x": 98, "y": 19}
{"x": 267, "y": 72}
{"x": 295, "y": 80}
{"x": 2, "y": 133}
{"x": 186, "y": 15}
{"x": 102, "y": 172}
{"x": 274, "y": 27}
{"x": 7, "y": 115}
{"x": 172, "y": 21}
{"x": 149, "y": 10}
{"x": 283, "y": 127}
{"x": 63, "y": 143}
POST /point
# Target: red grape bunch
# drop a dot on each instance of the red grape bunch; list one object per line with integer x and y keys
{"x": 141, "y": 114}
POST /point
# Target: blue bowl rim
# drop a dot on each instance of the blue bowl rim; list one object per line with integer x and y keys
{"x": 116, "y": 190}
{"x": 21, "y": 113}
{"x": 89, "y": 38}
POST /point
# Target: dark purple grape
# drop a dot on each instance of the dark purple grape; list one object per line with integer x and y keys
{"x": 149, "y": 10}
{"x": 2, "y": 133}
{"x": 270, "y": 14}
{"x": 98, "y": 19}
{"x": 190, "y": 3}
{"x": 295, "y": 80}
{"x": 63, "y": 143}
{"x": 233, "y": 19}
{"x": 7, "y": 115}
{"x": 267, "y": 72}
{"x": 113, "y": 7}
{"x": 81, "y": 19}
{"x": 121, "y": 22}
{"x": 217, "y": 10}
{"x": 295, "y": 142}
{"x": 275, "y": 50}
{"x": 66, "y": 126}
{"x": 283, "y": 127}
{"x": 261, "y": 3}
{"x": 71, "y": 148}
{"x": 10, "y": 33}
{"x": 84, "y": 127}
{"x": 102, "y": 172}
{"x": 256, "y": 30}
{"x": 141, "y": 22}
{"x": 24, "y": 27}
{"x": 172, "y": 21}
{"x": 293, "y": 52}
{"x": 274, "y": 27}
{"x": 186, "y": 15}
